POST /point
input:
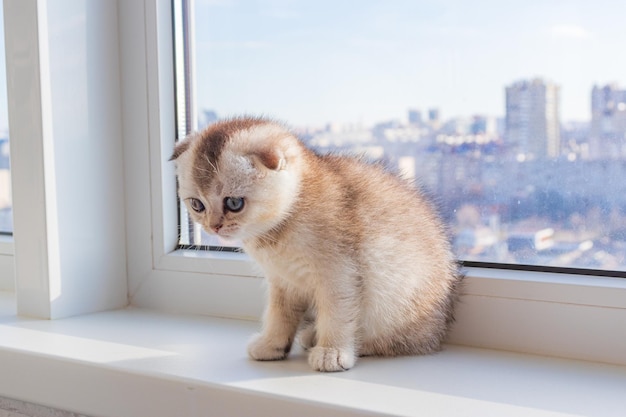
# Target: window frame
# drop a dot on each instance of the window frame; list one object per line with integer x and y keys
{"x": 7, "y": 282}
{"x": 501, "y": 309}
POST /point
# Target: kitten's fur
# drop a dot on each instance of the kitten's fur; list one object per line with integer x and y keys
{"x": 356, "y": 259}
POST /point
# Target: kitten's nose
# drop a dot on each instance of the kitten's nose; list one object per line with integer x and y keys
{"x": 217, "y": 228}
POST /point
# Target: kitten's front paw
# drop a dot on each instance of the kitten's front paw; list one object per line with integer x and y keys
{"x": 328, "y": 359}
{"x": 262, "y": 348}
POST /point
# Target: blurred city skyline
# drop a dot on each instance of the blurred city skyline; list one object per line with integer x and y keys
{"x": 486, "y": 105}
{"x": 315, "y": 63}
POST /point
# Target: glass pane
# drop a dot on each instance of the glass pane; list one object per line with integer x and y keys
{"x": 6, "y": 206}
{"x": 513, "y": 115}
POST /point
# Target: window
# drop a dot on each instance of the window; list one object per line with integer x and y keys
{"x": 513, "y": 116}
{"x": 6, "y": 209}
{"x": 127, "y": 254}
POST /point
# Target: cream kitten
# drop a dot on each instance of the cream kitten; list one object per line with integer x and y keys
{"x": 356, "y": 259}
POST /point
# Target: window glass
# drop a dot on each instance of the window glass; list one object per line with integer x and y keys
{"x": 6, "y": 206}
{"x": 512, "y": 115}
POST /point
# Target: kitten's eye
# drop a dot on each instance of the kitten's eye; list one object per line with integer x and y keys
{"x": 196, "y": 205}
{"x": 234, "y": 204}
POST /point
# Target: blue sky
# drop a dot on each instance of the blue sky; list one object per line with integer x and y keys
{"x": 311, "y": 62}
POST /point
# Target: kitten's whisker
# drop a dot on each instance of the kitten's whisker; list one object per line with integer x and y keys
{"x": 215, "y": 170}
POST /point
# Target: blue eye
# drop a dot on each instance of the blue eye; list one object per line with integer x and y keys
{"x": 233, "y": 204}
{"x": 196, "y": 205}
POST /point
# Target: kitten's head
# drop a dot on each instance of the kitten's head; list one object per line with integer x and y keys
{"x": 239, "y": 177}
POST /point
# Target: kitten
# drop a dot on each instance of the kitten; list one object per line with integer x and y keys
{"x": 356, "y": 259}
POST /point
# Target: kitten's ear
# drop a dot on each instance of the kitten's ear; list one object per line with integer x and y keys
{"x": 180, "y": 148}
{"x": 271, "y": 158}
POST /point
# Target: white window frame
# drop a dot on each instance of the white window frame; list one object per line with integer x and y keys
{"x": 7, "y": 282}
{"x": 574, "y": 316}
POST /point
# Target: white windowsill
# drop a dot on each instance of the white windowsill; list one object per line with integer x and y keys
{"x": 136, "y": 362}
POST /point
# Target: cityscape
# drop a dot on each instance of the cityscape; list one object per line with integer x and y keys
{"x": 526, "y": 188}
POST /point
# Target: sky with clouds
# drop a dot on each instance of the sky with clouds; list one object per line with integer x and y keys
{"x": 312, "y": 62}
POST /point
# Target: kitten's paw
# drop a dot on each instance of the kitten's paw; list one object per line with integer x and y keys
{"x": 262, "y": 348}
{"x": 328, "y": 359}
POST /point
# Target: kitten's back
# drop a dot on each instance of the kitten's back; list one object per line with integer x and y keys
{"x": 392, "y": 235}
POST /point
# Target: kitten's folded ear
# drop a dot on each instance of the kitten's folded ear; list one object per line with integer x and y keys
{"x": 180, "y": 148}
{"x": 271, "y": 158}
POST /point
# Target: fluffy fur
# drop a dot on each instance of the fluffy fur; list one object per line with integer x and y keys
{"x": 357, "y": 260}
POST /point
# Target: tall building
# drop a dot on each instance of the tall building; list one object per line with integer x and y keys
{"x": 415, "y": 117}
{"x": 433, "y": 115}
{"x": 607, "y": 136}
{"x": 434, "y": 118}
{"x": 483, "y": 125}
{"x": 532, "y": 118}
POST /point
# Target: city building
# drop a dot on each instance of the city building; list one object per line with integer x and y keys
{"x": 415, "y": 117}
{"x": 608, "y": 122}
{"x": 207, "y": 117}
{"x": 532, "y": 118}
{"x": 483, "y": 125}
{"x": 434, "y": 118}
